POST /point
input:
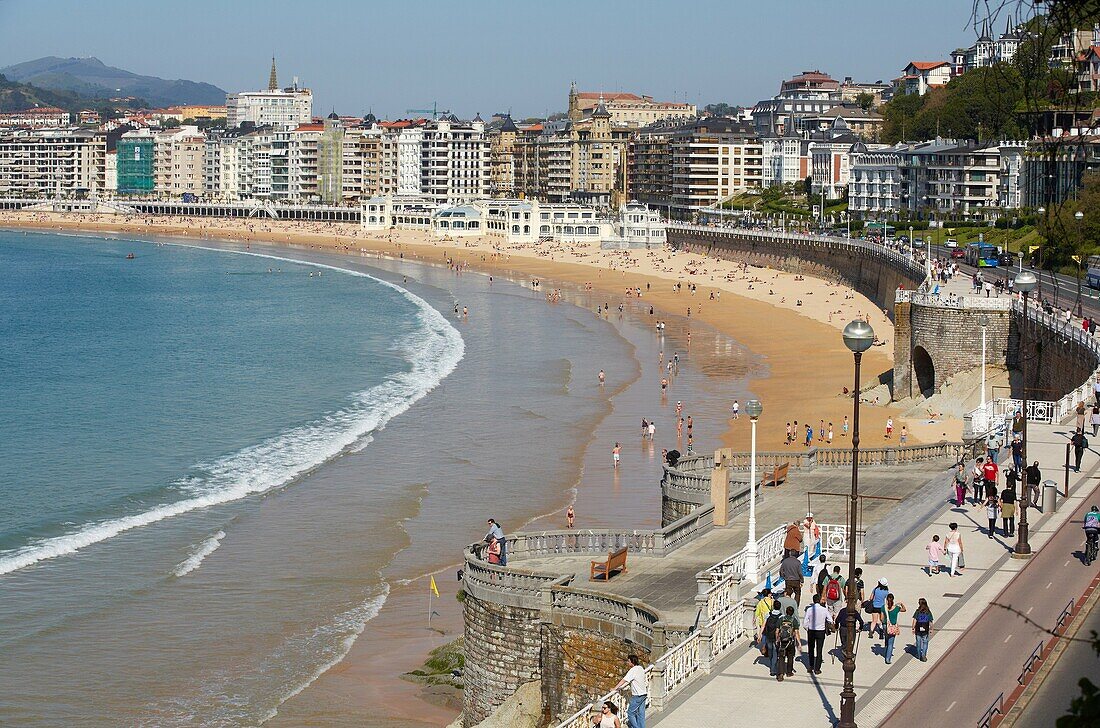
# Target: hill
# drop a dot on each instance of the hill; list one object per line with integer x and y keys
{"x": 91, "y": 78}
{"x": 16, "y": 96}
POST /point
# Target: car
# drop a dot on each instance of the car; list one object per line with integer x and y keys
{"x": 958, "y": 253}
{"x": 951, "y": 243}
{"x": 1006, "y": 258}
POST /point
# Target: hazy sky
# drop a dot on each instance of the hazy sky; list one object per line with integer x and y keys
{"x": 487, "y": 55}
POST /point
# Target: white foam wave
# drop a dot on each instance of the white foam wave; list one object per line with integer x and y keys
{"x": 204, "y": 549}
{"x": 434, "y": 352}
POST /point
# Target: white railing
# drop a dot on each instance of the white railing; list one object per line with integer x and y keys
{"x": 583, "y": 717}
{"x": 951, "y": 300}
{"x": 768, "y": 549}
{"x": 722, "y": 596}
{"x": 681, "y": 663}
{"x": 834, "y": 539}
{"x": 728, "y": 628}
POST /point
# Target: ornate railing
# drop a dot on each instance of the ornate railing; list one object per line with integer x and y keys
{"x": 588, "y": 541}
{"x": 834, "y": 539}
{"x": 951, "y": 300}
{"x": 633, "y": 616}
{"x": 768, "y": 549}
{"x": 680, "y": 664}
{"x": 728, "y": 628}
{"x": 506, "y": 584}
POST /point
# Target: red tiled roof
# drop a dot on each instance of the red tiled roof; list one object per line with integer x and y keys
{"x": 1091, "y": 51}
{"x": 927, "y": 65}
{"x": 310, "y": 127}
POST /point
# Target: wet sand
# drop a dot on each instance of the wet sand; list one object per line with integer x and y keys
{"x": 798, "y": 368}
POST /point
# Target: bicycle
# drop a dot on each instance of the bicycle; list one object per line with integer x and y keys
{"x": 1091, "y": 545}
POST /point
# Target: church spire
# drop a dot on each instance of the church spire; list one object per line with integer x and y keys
{"x": 273, "y": 81}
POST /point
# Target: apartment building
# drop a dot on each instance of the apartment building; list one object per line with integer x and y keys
{"x": 786, "y": 159}
{"x": 284, "y": 107}
{"x": 919, "y": 77}
{"x": 807, "y": 95}
{"x": 39, "y": 117}
{"x": 178, "y": 161}
{"x": 687, "y": 167}
{"x": 52, "y": 162}
{"x": 830, "y": 160}
{"x": 454, "y": 160}
{"x": 627, "y": 109}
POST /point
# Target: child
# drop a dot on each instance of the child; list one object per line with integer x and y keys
{"x": 904, "y": 434}
{"x": 889, "y": 427}
{"x": 830, "y": 436}
{"x": 844, "y": 427}
{"x": 935, "y": 553}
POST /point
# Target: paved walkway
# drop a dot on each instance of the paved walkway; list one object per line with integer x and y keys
{"x": 669, "y": 583}
{"x": 742, "y": 685}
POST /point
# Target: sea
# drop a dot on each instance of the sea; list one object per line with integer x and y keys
{"x": 217, "y": 460}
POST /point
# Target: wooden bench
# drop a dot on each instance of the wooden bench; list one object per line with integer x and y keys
{"x": 777, "y": 476}
{"x": 616, "y": 561}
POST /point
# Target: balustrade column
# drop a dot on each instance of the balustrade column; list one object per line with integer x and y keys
{"x": 706, "y": 648}
{"x": 657, "y": 691}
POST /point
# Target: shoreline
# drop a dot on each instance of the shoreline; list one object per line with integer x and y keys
{"x": 788, "y": 378}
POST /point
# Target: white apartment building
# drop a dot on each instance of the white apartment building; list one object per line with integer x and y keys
{"x": 52, "y": 162}
{"x": 786, "y": 160}
{"x": 921, "y": 76}
{"x": 830, "y": 160}
{"x": 39, "y": 117}
{"x": 874, "y": 187}
{"x": 178, "y": 161}
{"x": 809, "y": 94}
{"x": 454, "y": 161}
{"x": 282, "y": 107}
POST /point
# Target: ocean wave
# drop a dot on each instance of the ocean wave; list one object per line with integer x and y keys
{"x": 204, "y": 549}
{"x": 433, "y": 352}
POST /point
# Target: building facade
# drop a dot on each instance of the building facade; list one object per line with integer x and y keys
{"x": 52, "y": 162}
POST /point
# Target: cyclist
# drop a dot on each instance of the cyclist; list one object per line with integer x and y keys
{"x": 1092, "y": 532}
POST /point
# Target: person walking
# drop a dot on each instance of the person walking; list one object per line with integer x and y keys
{"x": 935, "y": 554}
{"x": 878, "y": 600}
{"x": 764, "y": 603}
{"x": 818, "y": 622}
{"x": 570, "y": 517}
{"x": 890, "y": 612}
{"x": 1080, "y": 414}
{"x": 792, "y": 541}
{"x": 635, "y": 677}
{"x": 1032, "y": 477}
{"x": 922, "y": 628}
{"x": 978, "y": 480}
{"x": 1008, "y": 504}
{"x": 960, "y": 485}
{"x": 1017, "y": 453}
{"x": 811, "y": 534}
{"x": 841, "y": 622}
{"x": 992, "y": 511}
{"x": 1080, "y": 444}
{"x": 833, "y": 592}
{"x": 787, "y": 642}
{"x": 819, "y": 574}
{"x": 1094, "y": 420}
{"x": 990, "y": 472}
{"x": 790, "y": 570}
{"x": 954, "y": 544}
{"x": 616, "y": 453}
{"x": 771, "y": 650}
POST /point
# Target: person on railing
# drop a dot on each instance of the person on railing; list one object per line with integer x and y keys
{"x": 608, "y": 717}
{"x": 495, "y": 531}
{"x": 639, "y": 688}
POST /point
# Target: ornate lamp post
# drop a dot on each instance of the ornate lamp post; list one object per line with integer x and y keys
{"x": 983, "y": 321}
{"x": 1079, "y": 216}
{"x": 753, "y": 408}
{"x": 1025, "y": 283}
{"x": 858, "y": 337}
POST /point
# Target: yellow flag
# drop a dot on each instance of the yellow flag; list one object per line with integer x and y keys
{"x": 1032, "y": 248}
{"x": 432, "y": 586}
{"x": 1076, "y": 258}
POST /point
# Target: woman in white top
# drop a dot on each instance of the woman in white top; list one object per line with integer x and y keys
{"x": 609, "y": 717}
{"x": 954, "y": 543}
{"x": 1094, "y": 420}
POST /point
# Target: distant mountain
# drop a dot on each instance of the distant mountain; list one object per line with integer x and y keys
{"x": 15, "y": 96}
{"x": 90, "y": 77}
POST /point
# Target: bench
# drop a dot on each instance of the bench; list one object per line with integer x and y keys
{"x": 777, "y": 476}
{"x": 616, "y": 561}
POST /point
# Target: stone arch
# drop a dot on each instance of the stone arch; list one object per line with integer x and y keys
{"x": 924, "y": 371}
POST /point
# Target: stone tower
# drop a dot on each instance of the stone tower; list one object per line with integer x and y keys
{"x": 574, "y": 112}
{"x": 272, "y": 80}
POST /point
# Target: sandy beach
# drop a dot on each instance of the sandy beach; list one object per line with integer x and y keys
{"x": 791, "y": 323}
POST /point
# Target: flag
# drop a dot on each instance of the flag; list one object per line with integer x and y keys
{"x": 1076, "y": 258}
{"x": 1031, "y": 249}
{"x": 432, "y": 586}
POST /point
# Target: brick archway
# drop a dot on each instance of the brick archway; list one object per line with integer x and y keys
{"x": 924, "y": 371}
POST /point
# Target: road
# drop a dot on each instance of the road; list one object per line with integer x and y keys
{"x": 987, "y": 660}
{"x": 1060, "y": 686}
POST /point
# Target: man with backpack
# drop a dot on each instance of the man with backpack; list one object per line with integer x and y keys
{"x": 819, "y": 574}
{"x": 834, "y": 592}
{"x": 787, "y": 641}
{"x": 818, "y": 622}
{"x": 771, "y": 627}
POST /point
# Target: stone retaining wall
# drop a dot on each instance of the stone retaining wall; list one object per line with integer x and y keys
{"x": 503, "y": 651}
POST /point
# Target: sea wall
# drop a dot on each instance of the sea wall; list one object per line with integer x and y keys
{"x": 874, "y": 272}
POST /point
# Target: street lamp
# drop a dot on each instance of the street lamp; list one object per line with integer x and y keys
{"x": 983, "y": 321}
{"x": 910, "y": 242}
{"x": 753, "y": 408}
{"x": 1079, "y": 216}
{"x": 858, "y": 337}
{"x": 1026, "y": 282}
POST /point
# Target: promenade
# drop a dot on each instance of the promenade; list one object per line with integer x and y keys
{"x": 742, "y": 686}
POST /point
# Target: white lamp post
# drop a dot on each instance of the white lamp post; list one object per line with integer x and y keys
{"x": 983, "y": 321}
{"x": 753, "y": 408}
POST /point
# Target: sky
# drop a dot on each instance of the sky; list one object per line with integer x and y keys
{"x": 489, "y": 56}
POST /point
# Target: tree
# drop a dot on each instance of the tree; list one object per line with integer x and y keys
{"x": 865, "y": 100}
{"x": 720, "y": 109}
{"x": 807, "y": 187}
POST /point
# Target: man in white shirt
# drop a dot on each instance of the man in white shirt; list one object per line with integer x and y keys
{"x": 817, "y": 620}
{"x": 639, "y": 688}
